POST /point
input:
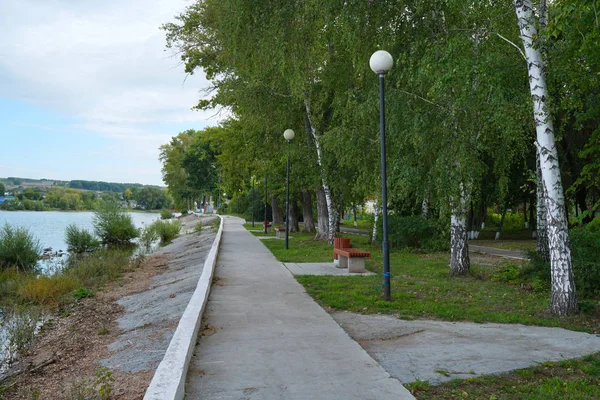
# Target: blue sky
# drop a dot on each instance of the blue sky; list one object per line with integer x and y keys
{"x": 87, "y": 90}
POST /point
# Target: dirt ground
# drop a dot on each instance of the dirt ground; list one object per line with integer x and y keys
{"x": 64, "y": 362}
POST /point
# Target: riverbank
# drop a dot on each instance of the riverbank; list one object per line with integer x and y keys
{"x": 115, "y": 340}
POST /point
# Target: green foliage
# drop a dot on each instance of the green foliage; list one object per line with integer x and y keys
{"x": 585, "y": 247}
{"x": 18, "y": 248}
{"x": 166, "y": 214}
{"x": 148, "y": 235}
{"x": 80, "y": 240}
{"x": 99, "y": 186}
{"x": 152, "y": 198}
{"x": 82, "y": 293}
{"x": 166, "y": 230}
{"x": 2, "y": 189}
{"x": 198, "y": 227}
{"x": 415, "y": 233}
{"x": 113, "y": 226}
{"x": 512, "y": 221}
{"x": 98, "y": 268}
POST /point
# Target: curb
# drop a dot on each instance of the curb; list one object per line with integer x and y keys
{"x": 168, "y": 382}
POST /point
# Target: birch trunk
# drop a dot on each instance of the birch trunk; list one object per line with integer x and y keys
{"x": 331, "y": 211}
{"x": 541, "y": 230}
{"x": 307, "y": 212}
{"x": 563, "y": 296}
{"x": 425, "y": 208}
{"x": 322, "y": 216}
{"x": 460, "y": 264}
{"x": 375, "y": 220}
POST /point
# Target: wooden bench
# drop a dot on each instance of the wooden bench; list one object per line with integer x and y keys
{"x": 280, "y": 233}
{"x": 352, "y": 259}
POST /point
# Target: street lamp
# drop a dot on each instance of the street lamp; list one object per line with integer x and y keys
{"x": 288, "y": 135}
{"x": 381, "y": 62}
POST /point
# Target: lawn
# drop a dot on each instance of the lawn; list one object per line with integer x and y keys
{"x": 571, "y": 379}
{"x": 422, "y": 288}
{"x": 518, "y": 245}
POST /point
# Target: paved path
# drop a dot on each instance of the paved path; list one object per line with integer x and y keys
{"x": 269, "y": 340}
{"x": 519, "y": 255}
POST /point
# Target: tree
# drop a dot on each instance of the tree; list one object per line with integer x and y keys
{"x": 2, "y": 189}
{"x": 563, "y": 296}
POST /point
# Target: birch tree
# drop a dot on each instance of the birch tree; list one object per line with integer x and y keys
{"x": 563, "y": 296}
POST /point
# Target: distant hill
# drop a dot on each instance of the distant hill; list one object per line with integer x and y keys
{"x": 76, "y": 184}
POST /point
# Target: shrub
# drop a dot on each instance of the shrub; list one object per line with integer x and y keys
{"x": 166, "y": 230}
{"x": 415, "y": 232}
{"x": 166, "y": 214}
{"x": 198, "y": 227}
{"x": 114, "y": 226}
{"x": 80, "y": 240}
{"x": 18, "y": 248}
{"x": 148, "y": 235}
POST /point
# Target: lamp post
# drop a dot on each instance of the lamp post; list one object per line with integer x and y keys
{"x": 381, "y": 62}
{"x": 288, "y": 135}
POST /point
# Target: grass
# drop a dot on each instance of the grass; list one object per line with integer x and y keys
{"x": 572, "y": 379}
{"x": 421, "y": 288}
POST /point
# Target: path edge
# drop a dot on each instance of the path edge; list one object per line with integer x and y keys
{"x": 168, "y": 382}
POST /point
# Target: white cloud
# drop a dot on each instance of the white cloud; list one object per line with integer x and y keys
{"x": 101, "y": 63}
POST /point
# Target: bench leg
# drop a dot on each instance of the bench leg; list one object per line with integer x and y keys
{"x": 343, "y": 261}
{"x": 356, "y": 265}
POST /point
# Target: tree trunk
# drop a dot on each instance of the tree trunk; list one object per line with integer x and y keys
{"x": 500, "y": 225}
{"x": 307, "y": 212}
{"x": 331, "y": 211}
{"x": 354, "y": 213}
{"x": 542, "y": 230}
{"x": 563, "y": 295}
{"x": 460, "y": 263}
{"x": 375, "y": 220}
{"x": 294, "y": 216}
{"x": 322, "y": 216}
{"x": 276, "y": 210}
{"x": 340, "y": 215}
{"x": 425, "y": 208}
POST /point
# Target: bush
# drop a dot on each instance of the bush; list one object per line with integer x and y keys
{"x": 148, "y": 235}
{"x": 114, "y": 226}
{"x": 166, "y": 214}
{"x": 415, "y": 232}
{"x": 80, "y": 240}
{"x": 18, "y": 248}
{"x": 166, "y": 230}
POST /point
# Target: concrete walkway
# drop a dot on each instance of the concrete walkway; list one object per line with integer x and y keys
{"x": 516, "y": 254}
{"x": 265, "y": 338}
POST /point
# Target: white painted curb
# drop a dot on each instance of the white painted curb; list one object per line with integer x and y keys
{"x": 168, "y": 382}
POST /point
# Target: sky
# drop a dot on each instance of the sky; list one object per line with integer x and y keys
{"x": 89, "y": 91}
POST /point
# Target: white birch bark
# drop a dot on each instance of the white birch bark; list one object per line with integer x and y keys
{"x": 425, "y": 207}
{"x": 330, "y": 207}
{"x": 563, "y": 296}
{"x": 460, "y": 263}
{"x": 542, "y": 222}
{"x": 375, "y": 220}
